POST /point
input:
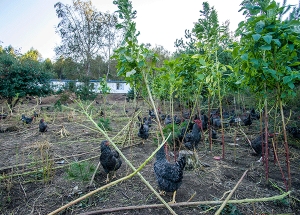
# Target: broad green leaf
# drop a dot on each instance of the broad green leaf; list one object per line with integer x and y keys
{"x": 271, "y": 6}
{"x": 256, "y": 37}
{"x": 291, "y": 46}
{"x": 128, "y": 58}
{"x": 244, "y": 57}
{"x": 200, "y": 76}
{"x": 277, "y": 42}
{"x": 229, "y": 67}
{"x": 267, "y": 38}
{"x": 265, "y": 47}
{"x": 132, "y": 72}
{"x": 202, "y": 62}
{"x": 295, "y": 64}
{"x": 141, "y": 64}
{"x": 235, "y": 52}
{"x": 286, "y": 79}
{"x": 291, "y": 85}
{"x": 196, "y": 56}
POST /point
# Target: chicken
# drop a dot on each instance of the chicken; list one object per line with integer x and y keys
{"x": 168, "y": 120}
{"x": 27, "y": 120}
{"x": 143, "y": 132}
{"x": 169, "y": 175}
{"x": 254, "y": 115}
{"x": 152, "y": 114}
{"x": 109, "y": 159}
{"x": 204, "y": 120}
{"x": 256, "y": 144}
{"x": 177, "y": 120}
{"x": 247, "y": 121}
{"x": 294, "y": 131}
{"x": 193, "y": 138}
{"x": 43, "y": 126}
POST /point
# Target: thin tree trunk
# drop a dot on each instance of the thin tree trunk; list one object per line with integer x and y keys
{"x": 286, "y": 146}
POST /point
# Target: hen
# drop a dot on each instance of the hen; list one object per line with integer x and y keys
{"x": 169, "y": 175}
{"x": 294, "y": 131}
{"x": 193, "y": 138}
{"x": 27, "y": 120}
{"x": 143, "y": 132}
{"x": 43, "y": 126}
{"x": 109, "y": 159}
{"x": 168, "y": 120}
{"x": 248, "y": 121}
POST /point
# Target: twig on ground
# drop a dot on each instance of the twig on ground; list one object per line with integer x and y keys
{"x": 230, "y": 194}
{"x": 180, "y": 204}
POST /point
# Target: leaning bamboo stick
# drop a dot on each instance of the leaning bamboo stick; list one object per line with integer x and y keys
{"x": 230, "y": 194}
{"x": 107, "y": 185}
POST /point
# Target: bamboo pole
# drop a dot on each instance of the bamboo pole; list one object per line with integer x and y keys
{"x": 107, "y": 185}
{"x": 188, "y": 204}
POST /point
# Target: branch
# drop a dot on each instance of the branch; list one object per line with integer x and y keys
{"x": 107, "y": 185}
{"x": 230, "y": 194}
{"x": 240, "y": 201}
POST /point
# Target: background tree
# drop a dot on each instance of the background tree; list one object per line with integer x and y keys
{"x": 21, "y": 76}
{"x": 83, "y": 31}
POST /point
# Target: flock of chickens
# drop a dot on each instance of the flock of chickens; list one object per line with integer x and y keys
{"x": 168, "y": 174}
{"x": 28, "y": 120}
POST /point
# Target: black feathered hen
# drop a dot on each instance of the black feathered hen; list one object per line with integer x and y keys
{"x": 169, "y": 175}
{"x": 294, "y": 131}
{"x": 248, "y": 121}
{"x": 143, "y": 132}
{"x": 193, "y": 138}
{"x": 109, "y": 159}
{"x": 43, "y": 126}
{"x": 27, "y": 120}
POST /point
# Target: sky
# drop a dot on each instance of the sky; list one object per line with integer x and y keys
{"x": 31, "y": 23}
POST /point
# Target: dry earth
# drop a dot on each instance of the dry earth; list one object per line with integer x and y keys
{"x": 34, "y": 166}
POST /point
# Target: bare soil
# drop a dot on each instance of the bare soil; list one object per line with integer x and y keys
{"x": 34, "y": 166}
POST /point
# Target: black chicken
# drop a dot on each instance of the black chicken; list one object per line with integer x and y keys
{"x": 168, "y": 120}
{"x": 109, "y": 159}
{"x": 169, "y": 175}
{"x": 193, "y": 138}
{"x": 294, "y": 131}
{"x": 43, "y": 126}
{"x": 152, "y": 114}
{"x": 204, "y": 120}
{"x": 143, "y": 132}
{"x": 27, "y": 120}
{"x": 247, "y": 121}
{"x": 256, "y": 144}
{"x": 254, "y": 115}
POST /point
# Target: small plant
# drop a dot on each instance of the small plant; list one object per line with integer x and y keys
{"x": 104, "y": 124}
{"x": 58, "y": 105}
{"x": 130, "y": 95}
{"x": 81, "y": 171}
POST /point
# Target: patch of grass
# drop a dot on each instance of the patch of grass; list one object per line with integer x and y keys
{"x": 81, "y": 171}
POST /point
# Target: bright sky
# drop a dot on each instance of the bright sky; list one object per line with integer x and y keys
{"x": 30, "y": 23}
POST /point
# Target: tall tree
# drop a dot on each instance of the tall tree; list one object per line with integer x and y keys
{"x": 83, "y": 30}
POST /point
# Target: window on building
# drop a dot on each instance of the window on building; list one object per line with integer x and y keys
{"x": 120, "y": 86}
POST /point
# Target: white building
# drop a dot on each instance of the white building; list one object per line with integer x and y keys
{"x": 115, "y": 86}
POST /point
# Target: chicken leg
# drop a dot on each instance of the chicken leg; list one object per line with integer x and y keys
{"x": 107, "y": 179}
{"x": 173, "y": 200}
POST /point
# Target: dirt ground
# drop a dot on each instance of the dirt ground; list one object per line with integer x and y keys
{"x": 34, "y": 167}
